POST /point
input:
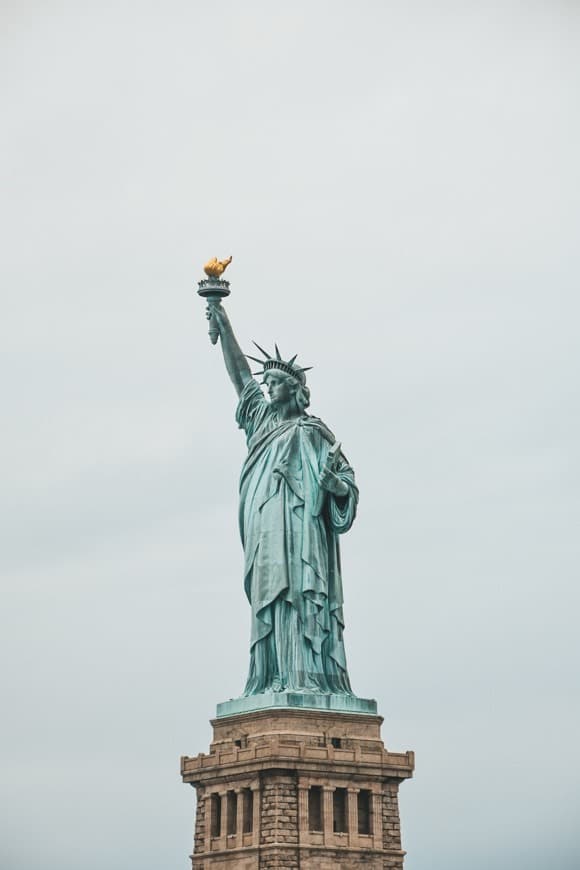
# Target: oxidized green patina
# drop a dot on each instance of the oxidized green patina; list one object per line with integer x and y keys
{"x": 297, "y": 495}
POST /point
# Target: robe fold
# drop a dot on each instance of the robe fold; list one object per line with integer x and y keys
{"x": 289, "y": 531}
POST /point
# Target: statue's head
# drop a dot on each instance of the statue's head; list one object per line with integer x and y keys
{"x": 285, "y": 381}
{"x": 283, "y": 388}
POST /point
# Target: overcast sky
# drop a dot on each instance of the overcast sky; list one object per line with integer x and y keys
{"x": 398, "y": 183}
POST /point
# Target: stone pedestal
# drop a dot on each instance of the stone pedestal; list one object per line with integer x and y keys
{"x": 297, "y": 788}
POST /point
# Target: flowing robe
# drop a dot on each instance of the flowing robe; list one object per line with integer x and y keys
{"x": 289, "y": 527}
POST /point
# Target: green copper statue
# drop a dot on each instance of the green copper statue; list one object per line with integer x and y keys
{"x": 297, "y": 495}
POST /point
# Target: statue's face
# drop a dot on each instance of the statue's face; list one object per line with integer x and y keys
{"x": 279, "y": 390}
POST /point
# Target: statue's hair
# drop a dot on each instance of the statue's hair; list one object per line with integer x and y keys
{"x": 300, "y": 391}
{"x": 301, "y": 395}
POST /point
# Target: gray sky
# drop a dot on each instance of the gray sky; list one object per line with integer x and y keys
{"x": 399, "y": 186}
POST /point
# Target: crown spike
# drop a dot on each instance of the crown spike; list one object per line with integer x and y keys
{"x": 306, "y": 369}
{"x": 254, "y": 359}
{"x": 261, "y": 349}
{"x": 278, "y": 355}
{"x": 291, "y": 361}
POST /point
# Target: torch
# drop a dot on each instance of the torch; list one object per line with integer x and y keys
{"x": 214, "y": 288}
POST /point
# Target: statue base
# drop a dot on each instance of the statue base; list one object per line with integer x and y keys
{"x": 297, "y": 788}
{"x": 299, "y": 701}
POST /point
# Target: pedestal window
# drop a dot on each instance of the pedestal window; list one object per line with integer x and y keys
{"x": 315, "y": 808}
{"x": 216, "y": 815}
{"x": 364, "y": 804}
{"x": 340, "y": 817}
{"x": 248, "y": 811}
{"x": 232, "y": 812}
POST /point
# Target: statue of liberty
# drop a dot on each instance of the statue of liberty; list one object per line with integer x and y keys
{"x": 297, "y": 495}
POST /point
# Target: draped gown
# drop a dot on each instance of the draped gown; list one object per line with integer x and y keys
{"x": 289, "y": 530}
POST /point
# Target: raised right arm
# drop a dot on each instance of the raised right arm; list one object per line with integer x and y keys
{"x": 236, "y": 363}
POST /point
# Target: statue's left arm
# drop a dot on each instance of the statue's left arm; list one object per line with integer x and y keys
{"x": 331, "y": 481}
{"x": 341, "y": 495}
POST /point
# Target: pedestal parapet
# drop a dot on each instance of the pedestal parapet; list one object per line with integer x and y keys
{"x": 297, "y": 788}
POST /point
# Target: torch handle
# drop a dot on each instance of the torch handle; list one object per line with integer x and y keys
{"x": 213, "y": 291}
{"x": 213, "y": 331}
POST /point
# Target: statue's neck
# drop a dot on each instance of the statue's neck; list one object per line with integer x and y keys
{"x": 288, "y": 411}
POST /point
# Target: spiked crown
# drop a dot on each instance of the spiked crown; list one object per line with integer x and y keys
{"x": 276, "y": 362}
